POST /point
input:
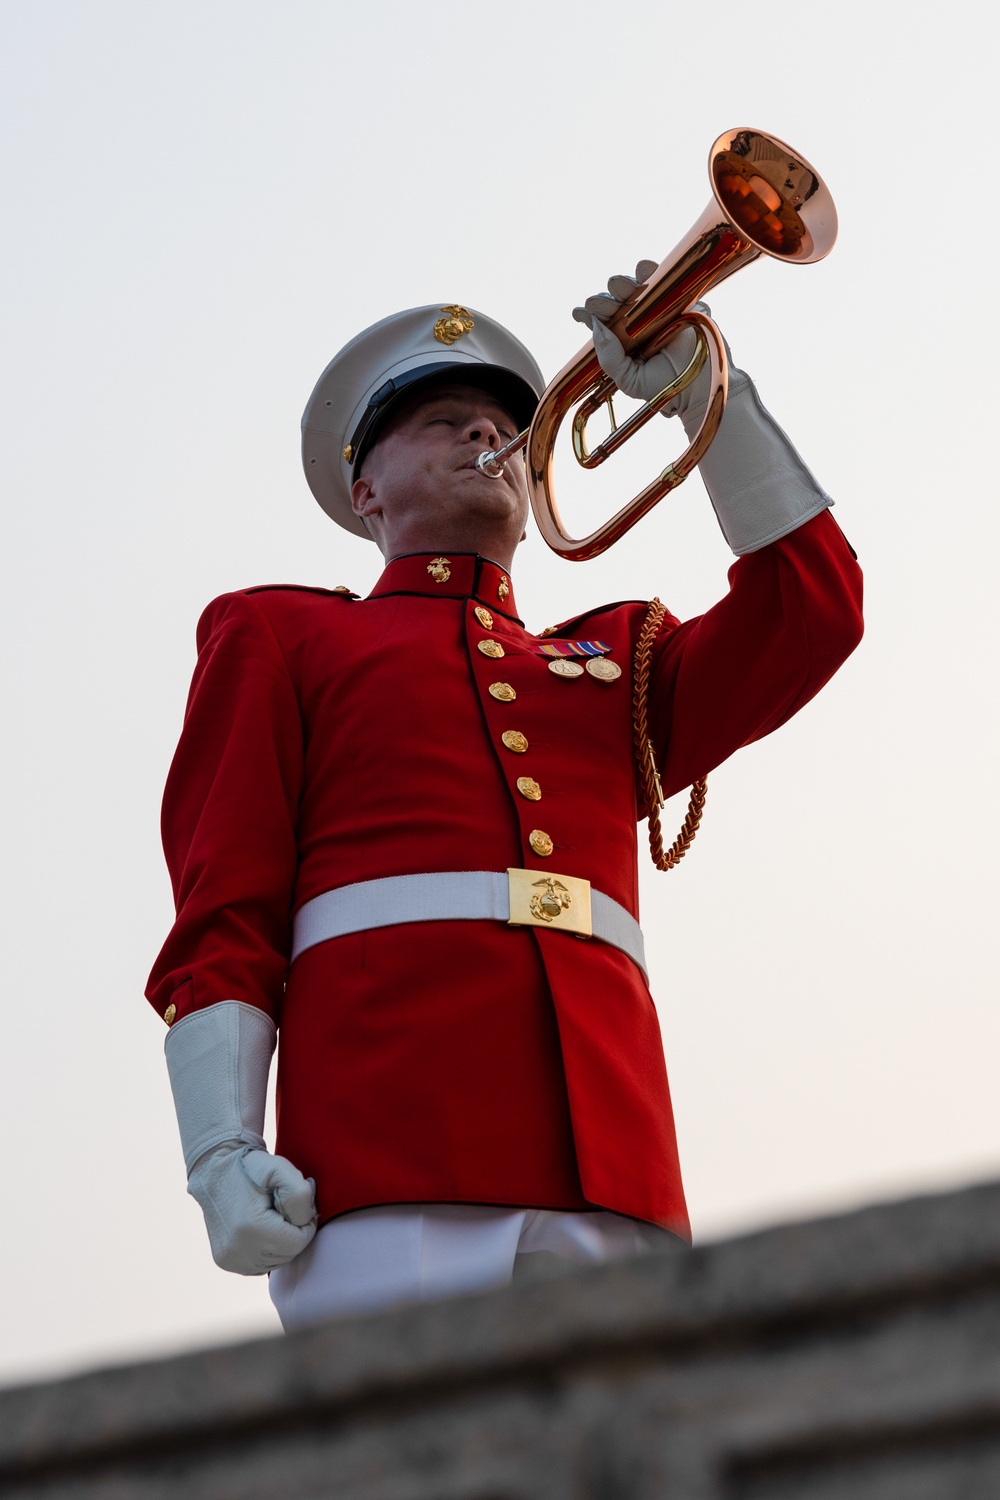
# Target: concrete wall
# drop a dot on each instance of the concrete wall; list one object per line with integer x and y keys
{"x": 856, "y": 1356}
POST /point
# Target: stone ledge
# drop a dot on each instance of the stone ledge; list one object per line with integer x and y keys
{"x": 865, "y": 1297}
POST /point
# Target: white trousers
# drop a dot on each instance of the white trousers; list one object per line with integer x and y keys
{"x": 377, "y": 1258}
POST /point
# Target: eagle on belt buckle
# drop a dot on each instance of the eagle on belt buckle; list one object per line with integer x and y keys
{"x": 552, "y": 902}
{"x": 540, "y": 900}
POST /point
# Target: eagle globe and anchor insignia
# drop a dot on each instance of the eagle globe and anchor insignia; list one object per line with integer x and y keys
{"x": 456, "y": 322}
{"x": 538, "y": 900}
{"x": 550, "y": 902}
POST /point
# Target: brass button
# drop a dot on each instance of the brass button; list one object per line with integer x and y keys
{"x": 503, "y": 587}
{"x": 602, "y": 669}
{"x": 564, "y": 668}
{"x": 540, "y": 842}
{"x": 515, "y": 740}
{"x": 491, "y": 648}
{"x": 484, "y": 617}
{"x": 529, "y": 788}
{"x": 170, "y": 1014}
{"x": 503, "y": 691}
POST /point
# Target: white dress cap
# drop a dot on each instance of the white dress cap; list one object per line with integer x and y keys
{"x": 362, "y": 383}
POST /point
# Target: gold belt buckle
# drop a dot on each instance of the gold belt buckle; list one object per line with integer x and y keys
{"x": 561, "y": 902}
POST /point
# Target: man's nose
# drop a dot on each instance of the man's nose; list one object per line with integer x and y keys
{"x": 482, "y": 430}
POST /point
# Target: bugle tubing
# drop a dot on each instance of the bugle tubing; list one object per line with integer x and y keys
{"x": 767, "y": 200}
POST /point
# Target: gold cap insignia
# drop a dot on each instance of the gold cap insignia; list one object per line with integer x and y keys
{"x": 439, "y": 570}
{"x": 456, "y": 322}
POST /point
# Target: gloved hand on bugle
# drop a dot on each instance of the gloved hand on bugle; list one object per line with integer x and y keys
{"x": 758, "y": 484}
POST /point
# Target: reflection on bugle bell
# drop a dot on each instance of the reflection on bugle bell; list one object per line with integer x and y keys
{"x": 767, "y": 200}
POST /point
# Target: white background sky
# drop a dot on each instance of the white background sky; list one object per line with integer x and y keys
{"x": 202, "y": 202}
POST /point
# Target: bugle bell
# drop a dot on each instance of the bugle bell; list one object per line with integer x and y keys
{"x": 767, "y": 200}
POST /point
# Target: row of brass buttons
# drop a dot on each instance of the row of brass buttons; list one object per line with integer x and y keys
{"x": 513, "y": 739}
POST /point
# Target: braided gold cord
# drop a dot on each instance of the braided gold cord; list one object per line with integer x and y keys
{"x": 646, "y": 755}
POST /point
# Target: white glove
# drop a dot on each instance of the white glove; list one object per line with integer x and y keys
{"x": 642, "y": 379}
{"x": 757, "y": 482}
{"x": 259, "y": 1209}
{"x": 604, "y": 306}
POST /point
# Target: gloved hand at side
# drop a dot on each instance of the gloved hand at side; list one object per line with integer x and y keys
{"x": 259, "y": 1209}
{"x": 756, "y": 480}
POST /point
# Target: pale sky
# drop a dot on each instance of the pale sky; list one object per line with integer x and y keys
{"x": 203, "y": 202}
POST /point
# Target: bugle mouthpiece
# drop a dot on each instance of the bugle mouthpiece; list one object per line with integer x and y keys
{"x": 492, "y": 464}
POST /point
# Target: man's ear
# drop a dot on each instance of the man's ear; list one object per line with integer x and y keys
{"x": 363, "y": 501}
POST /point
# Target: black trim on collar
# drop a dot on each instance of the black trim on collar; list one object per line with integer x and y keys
{"x": 462, "y": 599}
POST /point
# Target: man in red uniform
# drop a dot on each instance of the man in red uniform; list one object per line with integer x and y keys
{"x": 391, "y": 821}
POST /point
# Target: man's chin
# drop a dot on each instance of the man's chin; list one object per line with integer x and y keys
{"x": 480, "y": 495}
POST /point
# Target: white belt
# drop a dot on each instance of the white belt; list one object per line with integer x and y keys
{"x": 533, "y": 898}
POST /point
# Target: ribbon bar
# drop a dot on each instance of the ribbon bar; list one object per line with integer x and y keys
{"x": 574, "y": 648}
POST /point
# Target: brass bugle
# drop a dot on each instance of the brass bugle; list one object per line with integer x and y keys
{"x": 767, "y": 200}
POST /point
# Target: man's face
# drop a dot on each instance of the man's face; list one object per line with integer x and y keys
{"x": 419, "y": 483}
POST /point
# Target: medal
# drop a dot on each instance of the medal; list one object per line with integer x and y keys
{"x": 603, "y": 669}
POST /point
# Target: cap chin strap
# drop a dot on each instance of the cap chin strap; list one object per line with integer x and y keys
{"x": 507, "y": 386}
{"x": 361, "y": 438}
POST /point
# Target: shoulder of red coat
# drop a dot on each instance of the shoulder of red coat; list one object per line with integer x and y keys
{"x": 236, "y": 604}
{"x": 340, "y": 592}
{"x": 566, "y": 626}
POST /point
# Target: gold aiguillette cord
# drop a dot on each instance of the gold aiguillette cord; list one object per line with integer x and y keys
{"x": 646, "y": 755}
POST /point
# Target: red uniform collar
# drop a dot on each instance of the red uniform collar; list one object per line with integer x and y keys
{"x": 450, "y": 575}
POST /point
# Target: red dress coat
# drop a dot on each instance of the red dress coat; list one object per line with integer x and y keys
{"x": 330, "y": 739}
